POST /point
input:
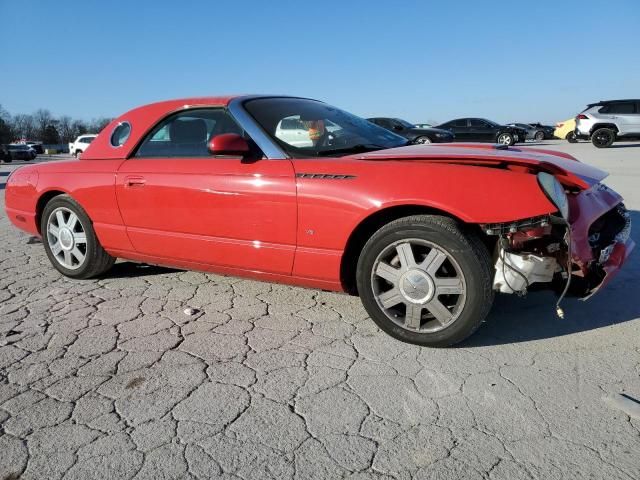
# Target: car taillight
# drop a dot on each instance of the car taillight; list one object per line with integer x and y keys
{"x": 582, "y": 117}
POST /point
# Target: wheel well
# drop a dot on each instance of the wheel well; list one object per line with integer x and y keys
{"x": 612, "y": 126}
{"x": 368, "y": 227}
{"x": 42, "y": 202}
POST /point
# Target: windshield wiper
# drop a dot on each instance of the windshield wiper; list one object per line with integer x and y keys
{"x": 359, "y": 148}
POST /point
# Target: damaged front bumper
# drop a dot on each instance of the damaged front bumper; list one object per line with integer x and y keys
{"x": 536, "y": 251}
{"x": 600, "y": 236}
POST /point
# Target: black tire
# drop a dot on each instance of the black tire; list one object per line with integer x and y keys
{"x": 505, "y": 138}
{"x": 423, "y": 140}
{"x": 539, "y": 136}
{"x": 603, "y": 137}
{"x": 77, "y": 153}
{"x": 97, "y": 260}
{"x": 462, "y": 245}
{"x": 571, "y": 137}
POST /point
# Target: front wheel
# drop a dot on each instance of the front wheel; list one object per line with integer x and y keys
{"x": 425, "y": 280}
{"x": 539, "y": 136}
{"x": 70, "y": 240}
{"x": 571, "y": 137}
{"x": 505, "y": 139}
{"x": 603, "y": 137}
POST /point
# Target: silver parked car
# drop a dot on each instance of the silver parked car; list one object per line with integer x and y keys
{"x": 608, "y": 121}
{"x": 533, "y": 133}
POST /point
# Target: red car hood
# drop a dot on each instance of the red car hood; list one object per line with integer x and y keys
{"x": 568, "y": 170}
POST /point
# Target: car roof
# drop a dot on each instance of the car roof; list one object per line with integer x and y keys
{"x": 603, "y": 102}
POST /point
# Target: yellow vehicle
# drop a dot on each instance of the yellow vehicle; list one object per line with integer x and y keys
{"x": 566, "y": 130}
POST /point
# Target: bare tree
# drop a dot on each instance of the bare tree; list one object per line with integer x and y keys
{"x": 43, "y": 119}
{"x": 24, "y": 126}
{"x": 97, "y": 124}
{"x": 66, "y": 129}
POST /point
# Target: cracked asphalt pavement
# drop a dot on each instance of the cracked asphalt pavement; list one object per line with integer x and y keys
{"x": 109, "y": 378}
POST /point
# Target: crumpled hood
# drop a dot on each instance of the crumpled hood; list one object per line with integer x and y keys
{"x": 568, "y": 169}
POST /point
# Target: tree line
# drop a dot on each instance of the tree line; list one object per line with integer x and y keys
{"x": 43, "y": 126}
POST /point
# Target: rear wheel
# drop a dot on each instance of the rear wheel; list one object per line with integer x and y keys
{"x": 539, "y": 136}
{"x": 571, "y": 137}
{"x": 505, "y": 139}
{"x": 422, "y": 140}
{"x": 603, "y": 137}
{"x": 424, "y": 280}
{"x": 70, "y": 240}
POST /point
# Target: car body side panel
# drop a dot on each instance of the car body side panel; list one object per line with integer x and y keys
{"x": 91, "y": 184}
{"x": 330, "y": 209}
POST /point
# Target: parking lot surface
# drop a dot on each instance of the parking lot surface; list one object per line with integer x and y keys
{"x": 110, "y": 378}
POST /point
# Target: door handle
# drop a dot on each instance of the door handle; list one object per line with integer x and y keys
{"x": 134, "y": 181}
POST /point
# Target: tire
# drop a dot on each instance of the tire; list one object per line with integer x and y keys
{"x": 571, "y": 137}
{"x": 505, "y": 139}
{"x": 603, "y": 137}
{"x": 422, "y": 140}
{"x": 96, "y": 260}
{"x": 466, "y": 267}
{"x": 77, "y": 153}
{"x": 539, "y": 136}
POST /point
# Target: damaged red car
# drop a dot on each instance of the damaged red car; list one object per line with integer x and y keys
{"x": 294, "y": 190}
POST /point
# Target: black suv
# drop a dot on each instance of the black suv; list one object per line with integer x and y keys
{"x": 413, "y": 133}
{"x": 483, "y": 130}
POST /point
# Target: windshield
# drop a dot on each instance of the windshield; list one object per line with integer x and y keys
{"x": 493, "y": 124}
{"x": 404, "y": 123}
{"x": 308, "y": 128}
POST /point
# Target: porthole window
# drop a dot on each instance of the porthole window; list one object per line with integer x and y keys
{"x": 120, "y": 134}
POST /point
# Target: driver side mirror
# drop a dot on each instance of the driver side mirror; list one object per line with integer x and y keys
{"x": 228, "y": 144}
{"x": 398, "y": 128}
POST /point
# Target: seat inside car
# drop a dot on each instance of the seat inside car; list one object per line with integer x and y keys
{"x": 189, "y": 137}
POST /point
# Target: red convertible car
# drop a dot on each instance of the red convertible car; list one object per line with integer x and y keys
{"x": 294, "y": 190}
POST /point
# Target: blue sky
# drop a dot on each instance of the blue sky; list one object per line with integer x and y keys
{"x": 420, "y": 60}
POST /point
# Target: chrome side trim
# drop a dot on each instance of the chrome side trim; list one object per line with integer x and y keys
{"x": 249, "y": 125}
{"x": 326, "y": 176}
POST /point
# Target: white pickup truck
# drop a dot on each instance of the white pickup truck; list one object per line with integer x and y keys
{"x": 81, "y": 143}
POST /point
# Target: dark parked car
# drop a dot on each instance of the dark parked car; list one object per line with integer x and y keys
{"x": 21, "y": 152}
{"x": 37, "y": 146}
{"x": 411, "y": 132}
{"x": 483, "y": 130}
{"x": 547, "y": 129}
{"x": 4, "y": 154}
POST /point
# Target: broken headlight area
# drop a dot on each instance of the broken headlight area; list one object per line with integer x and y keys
{"x": 611, "y": 228}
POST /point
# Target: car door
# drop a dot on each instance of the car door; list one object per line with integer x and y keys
{"x": 179, "y": 202}
{"x": 461, "y": 129}
{"x": 626, "y": 117}
{"x": 480, "y": 131}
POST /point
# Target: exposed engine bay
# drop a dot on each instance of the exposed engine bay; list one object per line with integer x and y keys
{"x": 539, "y": 253}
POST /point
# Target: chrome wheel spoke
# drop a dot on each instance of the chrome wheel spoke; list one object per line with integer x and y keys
{"x": 413, "y": 316}
{"x": 405, "y": 255}
{"x": 67, "y": 258}
{"x": 56, "y": 248}
{"x": 448, "y": 286}
{"x": 439, "y": 311}
{"x": 386, "y": 271}
{"x": 53, "y": 230}
{"x": 60, "y": 218}
{"x": 80, "y": 237}
{"x": 72, "y": 221}
{"x": 433, "y": 261}
{"x": 78, "y": 254}
{"x": 391, "y": 298}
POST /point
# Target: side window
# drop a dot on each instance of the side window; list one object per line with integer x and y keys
{"x": 186, "y": 134}
{"x": 476, "y": 122}
{"x": 460, "y": 123}
{"x": 619, "y": 108}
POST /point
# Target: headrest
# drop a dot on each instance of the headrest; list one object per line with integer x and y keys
{"x": 188, "y": 131}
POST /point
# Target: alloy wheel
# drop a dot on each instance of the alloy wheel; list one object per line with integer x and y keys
{"x": 504, "y": 139}
{"x": 67, "y": 238}
{"x": 418, "y": 285}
